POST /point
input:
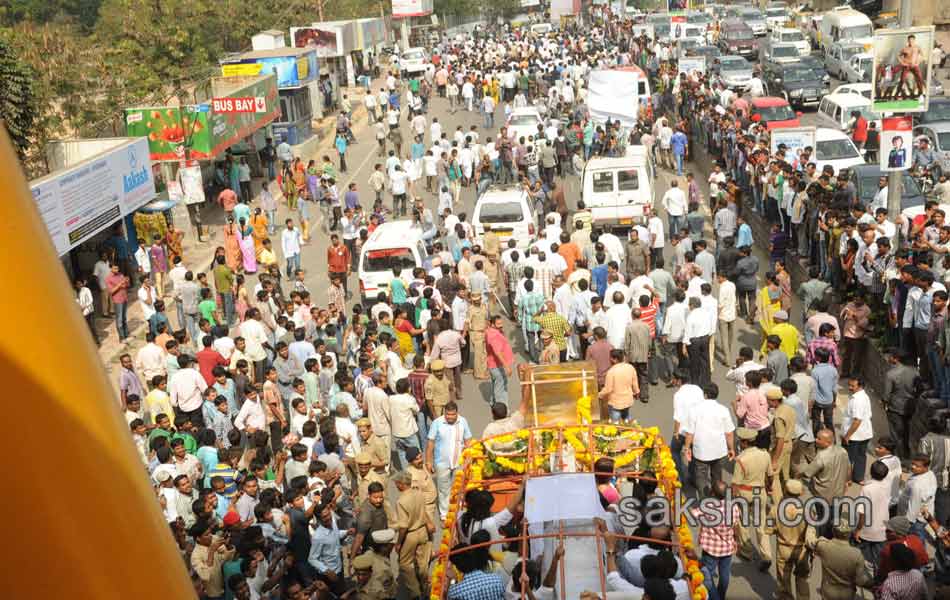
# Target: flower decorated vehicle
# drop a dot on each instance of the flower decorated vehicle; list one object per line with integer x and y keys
{"x": 567, "y": 454}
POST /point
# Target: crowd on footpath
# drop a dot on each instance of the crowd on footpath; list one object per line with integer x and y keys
{"x": 298, "y": 445}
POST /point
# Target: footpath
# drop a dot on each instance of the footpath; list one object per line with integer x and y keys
{"x": 198, "y": 254}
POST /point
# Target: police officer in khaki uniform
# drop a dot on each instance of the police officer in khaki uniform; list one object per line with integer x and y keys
{"x": 491, "y": 245}
{"x": 842, "y": 566}
{"x": 363, "y": 570}
{"x": 750, "y": 480}
{"x": 414, "y": 528}
{"x": 366, "y": 475}
{"x": 792, "y": 560}
{"x": 422, "y": 481}
{"x": 783, "y": 439}
{"x": 372, "y": 443}
{"x": 383, "y": 582}
{"x": 439, "y": 389}
{"x": 476, "y": 322}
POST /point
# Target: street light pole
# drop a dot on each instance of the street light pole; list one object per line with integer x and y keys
{"x": 895, "y": 178}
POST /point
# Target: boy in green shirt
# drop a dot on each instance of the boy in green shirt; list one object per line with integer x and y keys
{"x": 207, "y": 307}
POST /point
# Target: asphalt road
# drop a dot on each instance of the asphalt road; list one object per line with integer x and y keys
{"x": 747, "y": 582}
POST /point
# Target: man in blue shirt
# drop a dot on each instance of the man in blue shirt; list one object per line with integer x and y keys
{"x": 325, "y": 550}
{"x": 447, "y": 437}
{"x": 826, "y": 386}
{"x": 678, "y": 144}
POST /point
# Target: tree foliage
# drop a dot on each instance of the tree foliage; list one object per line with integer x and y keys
{"x": 17, "y": 106}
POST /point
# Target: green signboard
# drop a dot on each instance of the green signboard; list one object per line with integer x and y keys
{"x": 197, "y": 128}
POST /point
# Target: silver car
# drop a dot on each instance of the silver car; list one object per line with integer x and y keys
{"x": 755, "y": 19}
{"x": 838, "y": 56}
{"x": 735, "y": 72}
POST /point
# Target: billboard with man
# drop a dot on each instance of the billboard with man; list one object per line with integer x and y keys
{"x": 902, "y": 66}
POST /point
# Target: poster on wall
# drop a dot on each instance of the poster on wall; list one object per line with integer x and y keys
{"x": 896, "y": 143}
{"x": 327, "y": 42}
{"x": 677, "y": 24}
{"x": 677, "y": 6}
{"x": 900, "y": 81}
{"x": 80, "y": 201}
{"x": 795, "y": 139}
{"x": 411, "y": 8}
{"x": 192, "y": 186}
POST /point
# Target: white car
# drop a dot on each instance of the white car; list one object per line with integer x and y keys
{"x": 784, "y": 35}
{"x": 780, "y": 53}
{"x": 859, "y": 68}
{"x": 507, "y": 210}
{"x": 834, "y": 147}
{"x": 863, "y": 89}
{"x": 776, "y": 15}
{"x": 396, "y": 244}
{"x": 414, "y": 60}
{"x": 524, "y": 122}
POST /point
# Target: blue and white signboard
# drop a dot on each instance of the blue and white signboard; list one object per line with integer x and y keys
{"x": 80, "y": 201}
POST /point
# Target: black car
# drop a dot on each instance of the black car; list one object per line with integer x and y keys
{"x": 939, "y": 110}
{"x": 817, "y": 65}
{"x": 867, "y": 177}
{"x": 795, "y": 82}
{"x": 710, "y": 52}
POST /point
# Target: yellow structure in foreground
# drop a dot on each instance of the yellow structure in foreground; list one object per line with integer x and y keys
{"x": 87, "y": 521}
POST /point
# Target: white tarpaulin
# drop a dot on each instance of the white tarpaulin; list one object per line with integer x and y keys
{"x": 613, "y": 94}
{"x": 563, "y": 496}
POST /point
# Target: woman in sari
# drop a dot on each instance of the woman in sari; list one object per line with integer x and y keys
{"x": 232, "y": 245}
{"x": 404, "y": 332}
{"x": 768, "y": 302}
{"x": 289, "y": 188}
{"x": 785, "y": 284}
{"x": 246, "y": 242}
{"x": 240, "y": 298}
{"x": 259, "y": 224}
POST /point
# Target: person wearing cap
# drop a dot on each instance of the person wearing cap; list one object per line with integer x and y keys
{"x": 791, "y": 556}
{"x": 784, "y": 423}
{"x": 786, "y": 332}
{"x": 550, "y": 355}
{"x": 372, "y": 515}
{"x": 842, "y": 566}
{"x": 439, "y": 389}
{"x": 413, "y": 528}
{"x": 374, "y": 445}
{"x": 422, "y": 481}
{"x": 750, "y": 480}
{"x": 898, "y": 531}
{"x": 363, "y": 571}
{"x": 383, "y": 583}
{"x": 366, "y": 474}
{"x": 476, "y": 322}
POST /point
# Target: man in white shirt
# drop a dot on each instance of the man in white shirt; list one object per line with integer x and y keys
{"x": 709, "y": 438}
{"x": 674, "y": 321}
{"x": 403, "y": 409}
{"x": 613, "y": 246}
{"x": 657, "y": 236}
{"x": 685, "y": 398}
{"x": 674, "y": 202}
{"x": 726, "y": 320}
{"x": 618, "y": 317}
{"x": 185, "y": 389}
{"x": 696, "y": 342}
{"x": 290, "y": 244}
{"x": 856, "y": 428}
{"x": 101, "y": 271}
{"x": 150, "y": 359}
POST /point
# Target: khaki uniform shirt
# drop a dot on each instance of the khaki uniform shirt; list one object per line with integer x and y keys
{"x": 842, "y": 567}
{"x": 377, "y": 448}
{"x": 829, "y": 472}
{"x": 422, "y": 481}
{"x": 382, "y": 583}
{"x": 362, "y": 488}
{"x": 438, "y": 393}
{"x": 410, "y": 510}
{"x": 477, "y": 319}
{"x": 791, "y": 540}
{"x": 783, "y": 426}
{"x": 753, "y": 466}
{"x": 490, "y": 244}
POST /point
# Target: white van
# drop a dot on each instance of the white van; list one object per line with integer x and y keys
{"x": 393, "y": 244}
{"x": 785, "y": 35}
{"x": 619, "y": 191}
{"x": 507, "y": 210}
{"x": 414, "y": 60}
{"x": 542, "y": 28}
{"x": 845, "y": 23}
{"x": 834, "y": 110}
{"x": 834, "y": 147}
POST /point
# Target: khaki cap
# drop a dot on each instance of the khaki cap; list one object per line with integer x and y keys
{"x": 744, "y": 433}
{"x": 438, "y": 365}
{"x": 363, "y": 458}
{"x": 363, "y": 562}
{"x": 794, "y": 487}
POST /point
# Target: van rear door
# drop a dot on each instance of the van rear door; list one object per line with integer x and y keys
{"x": 376, "y": 268}
{"x": 632, "y": 202}
{"x": 600, "y": 195}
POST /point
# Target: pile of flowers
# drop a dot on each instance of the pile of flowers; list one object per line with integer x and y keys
{"x": 565, "y": 448}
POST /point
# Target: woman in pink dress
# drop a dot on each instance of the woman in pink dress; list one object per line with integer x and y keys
{"x": 240, "y": 298}
{"x": 246, "y": 242}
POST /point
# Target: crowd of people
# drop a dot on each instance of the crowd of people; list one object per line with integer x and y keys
{"x": 297, "y": 447}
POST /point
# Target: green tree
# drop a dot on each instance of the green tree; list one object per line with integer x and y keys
{"x": 17, "y": 106}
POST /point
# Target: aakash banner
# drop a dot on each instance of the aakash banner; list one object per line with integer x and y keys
{"x": 897, "y": 141}
{"x": 795, "y": 139}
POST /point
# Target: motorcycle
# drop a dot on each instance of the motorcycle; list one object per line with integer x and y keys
{"x": 926, "y": 179}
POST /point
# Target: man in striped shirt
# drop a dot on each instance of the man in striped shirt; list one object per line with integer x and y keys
{"x": 826, "y": 340}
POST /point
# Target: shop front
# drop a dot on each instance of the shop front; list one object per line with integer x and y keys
{"x": 200, "y": 146}
{"x": 90, "y": 201}
{"x": 296, "y": 69}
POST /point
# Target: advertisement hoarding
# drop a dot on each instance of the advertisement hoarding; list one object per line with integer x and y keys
{"x": 795, "y": 140}
{"x": 291, "y": 71}
{"x": 692, "y": 64}
{"x": 327, "y": 41}
{"x": 80, "y": 201}
{"x": 897, "y": 140}
{"x": 170, "y": 129}
{"x": 411, "y": 8}
{"x": 900, "y": 81}
{"x": 677, "y": 6}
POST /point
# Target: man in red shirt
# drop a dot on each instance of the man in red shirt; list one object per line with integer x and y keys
{"x": 500, "y": 360}
{"x": 118, "y": 286}
{"x": 209, "y": 358}
{"x": 338, "y": 260}
{"x": 859, "y": 132}
{"x": 898, "y": 533}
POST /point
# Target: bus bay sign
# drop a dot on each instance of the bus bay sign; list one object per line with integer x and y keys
{"x": 239, "y": 105}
